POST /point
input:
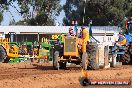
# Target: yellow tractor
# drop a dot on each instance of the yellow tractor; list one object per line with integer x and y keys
{"x": 77, "y": 51}
{"x": 7, "y": 50}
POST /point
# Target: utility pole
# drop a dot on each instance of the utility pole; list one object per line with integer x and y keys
{"x": 84, "y": 11}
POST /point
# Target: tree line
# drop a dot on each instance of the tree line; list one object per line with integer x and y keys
{"x": 44, "y": 12}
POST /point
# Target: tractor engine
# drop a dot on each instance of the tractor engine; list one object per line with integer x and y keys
{"x": 71, "y": 46}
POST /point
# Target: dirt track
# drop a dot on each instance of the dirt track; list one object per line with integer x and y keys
{"x": 25, "y": 75}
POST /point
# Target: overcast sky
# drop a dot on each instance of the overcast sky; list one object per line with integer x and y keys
{"x": 17, "y": 17}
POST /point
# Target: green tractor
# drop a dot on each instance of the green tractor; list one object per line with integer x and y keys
{"x": 48, "y": 50}
{"x": 43, "y": 50}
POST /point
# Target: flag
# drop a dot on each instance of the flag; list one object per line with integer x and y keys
{"x": 90, "y": 30}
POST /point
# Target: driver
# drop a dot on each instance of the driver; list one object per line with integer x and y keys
{"x": 70, "y": 31}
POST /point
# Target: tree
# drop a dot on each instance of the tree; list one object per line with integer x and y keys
{"x": 37, "y": 12}
{"x": 129, "y": 11}
{"x": 102, "y": 12}
{"x": 1, "y": 17}
{"x": 2, "y": 8}
{"x": 43, "y": 11}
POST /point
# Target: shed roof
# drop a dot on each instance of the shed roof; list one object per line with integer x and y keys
{"x": 54, "y": 29}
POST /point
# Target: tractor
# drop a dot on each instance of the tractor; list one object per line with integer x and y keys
{"x": 8, "y": 50}
{"x": 42, "y": 50}
{"x": 13, "y": 51}
{"x": 76, "y": 50}
{"x": 123, "y": 47}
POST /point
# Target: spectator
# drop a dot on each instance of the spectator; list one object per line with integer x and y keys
{"x": 70, "y": 31}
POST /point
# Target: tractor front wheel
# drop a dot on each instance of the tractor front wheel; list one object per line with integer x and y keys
{"x": 84, "y": 81}
{"x": 55, "y": 60}
{"x": 62, "y": 65}
{"x": 85, "y": 61}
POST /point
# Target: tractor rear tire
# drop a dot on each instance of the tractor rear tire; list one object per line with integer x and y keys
{"x": 85, "y": 61}
{"x": 2, "y": 54}
{"x": 92, "y": 62}
{"x": 126, "y": 58}
{"x": 55, "y": 60}
{"x": 130, "y": 52}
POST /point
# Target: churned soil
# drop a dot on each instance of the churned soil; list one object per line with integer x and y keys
{"x": 27, "y": 75}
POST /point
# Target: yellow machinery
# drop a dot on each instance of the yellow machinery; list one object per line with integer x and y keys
{"x": 12, "y": 52}
{"x": 7, "y": 50}
{"x": 75, "y": 50}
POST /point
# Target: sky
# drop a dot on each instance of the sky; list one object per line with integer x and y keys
{"x": 8, "y": 17}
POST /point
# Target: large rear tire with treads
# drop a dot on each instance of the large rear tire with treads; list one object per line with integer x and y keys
{"x": 92, "y": 60}
{"x": 3, "y": 54}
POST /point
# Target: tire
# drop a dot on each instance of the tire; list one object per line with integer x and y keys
{"x": 130, "y": 52}
{"x": 2, "y": 54}
{"x": 85, "y": 61}
{"x": 131, "y": 59}
{"x": 55, "y": 60}
{"x": 62, "y": 65}
{"x": 92, "y": 62}
{"x": 6, "y": 60}
{"x": 126, "y": 58}
{"x": 84, "y": 81}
